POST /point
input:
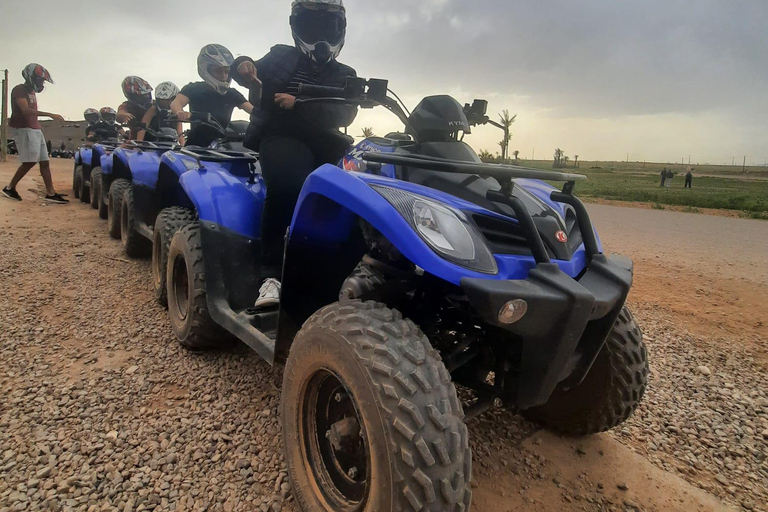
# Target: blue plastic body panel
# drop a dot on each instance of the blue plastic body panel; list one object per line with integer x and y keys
{"x": 224, "y": 196}
{"x": 98, "y": 152}
{"x": 351, "y": 191}
{"x": 144, "y": 166}
{"x": 121, "y": 154}
{"x": 106, "y": 164}
{"x": 353, "y": 161}
{"x": 85, "y": 155}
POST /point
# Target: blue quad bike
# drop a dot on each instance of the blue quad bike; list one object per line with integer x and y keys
{"x": 135, "y": 162}
{"x": 149, "y": 206}
{"x": 409, "y": 266}
{"x": 88, "y": 159}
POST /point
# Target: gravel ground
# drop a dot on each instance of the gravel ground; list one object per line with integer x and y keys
{"x": 103, "y": 410}
{"x": 705, "y": 415}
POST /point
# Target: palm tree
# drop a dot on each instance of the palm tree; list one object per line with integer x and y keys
{"x": 516, "y": 154}
{"x": 559, "y": 154}
{"x": 486, "y": 156}
{"x": 506, "y": 124}
{"x": 368, "y": 132}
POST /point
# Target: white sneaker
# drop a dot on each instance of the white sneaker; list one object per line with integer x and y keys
{"x": 269, "y": 294}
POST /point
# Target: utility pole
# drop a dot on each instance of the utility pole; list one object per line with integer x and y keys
{"x": 744, "y": 165}
{"x": 4, "y": 120}
{"x": 533, "y": 154}
{"x": 689, "y": 159}
{"x": 733, "y": 160}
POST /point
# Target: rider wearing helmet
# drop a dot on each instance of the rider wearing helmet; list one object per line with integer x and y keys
{"x": 165, "y": 93}
{"x": 213, "y": 95}
{"x": 30, "y": 141}
{"x": 294, "y": 140}
{"x": 138, "y": 92}
{"x": 92, "y": 118}
{"x": 105, "y": 128}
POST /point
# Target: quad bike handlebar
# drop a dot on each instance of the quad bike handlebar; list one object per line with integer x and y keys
{"x": 369, "y": 93}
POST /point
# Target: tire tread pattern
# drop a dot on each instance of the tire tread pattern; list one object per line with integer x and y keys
{"x": 169, "y": 222}
{"x": 205, "y": 332}
{"x": 135, "y": 245}
{"x": 116, "y": 191}
{"x": 95, "y": 187}
{"x": 625, "y": 385}
{"x": 430, "y": 444}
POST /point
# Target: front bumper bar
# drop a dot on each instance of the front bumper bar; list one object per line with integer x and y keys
{"x": 567, "y": 321}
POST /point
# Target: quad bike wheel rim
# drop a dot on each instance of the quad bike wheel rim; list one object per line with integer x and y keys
{"x": 180, "y": 288}
{"x": 334, "y": 442}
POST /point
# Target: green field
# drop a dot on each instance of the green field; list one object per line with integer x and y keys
{"x": 722, "y": 187}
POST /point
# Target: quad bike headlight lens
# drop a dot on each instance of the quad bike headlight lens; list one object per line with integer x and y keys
{"x": 445, "y": 229}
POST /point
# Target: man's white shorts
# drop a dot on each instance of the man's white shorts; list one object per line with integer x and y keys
{"x": 31, "y": 145}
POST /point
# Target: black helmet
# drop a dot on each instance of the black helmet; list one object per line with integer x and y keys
{"x": 91, "y": 116}
{"x": 438, "y": 119}
{"x": 319, "y": 28}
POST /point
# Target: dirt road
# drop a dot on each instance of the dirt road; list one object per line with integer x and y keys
{"x": 103, "y": 411}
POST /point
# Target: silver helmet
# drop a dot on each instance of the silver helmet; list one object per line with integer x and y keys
{"x": 319, "y": 28}
{"x": 211, "y": 64}
{"x": 166, "y": 91}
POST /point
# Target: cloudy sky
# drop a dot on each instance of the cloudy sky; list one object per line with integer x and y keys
{"x": 656, "y": 79}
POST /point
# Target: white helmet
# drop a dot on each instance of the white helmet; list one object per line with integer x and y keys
{"x": 319, "y": 28}
{"x": 166, "y": 91}
{"x": 215, "y": 56}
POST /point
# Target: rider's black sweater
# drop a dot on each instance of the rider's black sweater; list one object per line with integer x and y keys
{"x": 281, "y": 71}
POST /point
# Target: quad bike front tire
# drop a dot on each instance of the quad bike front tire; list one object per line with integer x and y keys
{"x": 135, "y": 245}
{"x": 187, "y": 300}
{"x": 610, "y": 392}
{"x": 114, "y": 206}
{"x": 169, "y": 222}
{"x": 371, "y": 419}
{"x": 95, "y": 187}
{"x": 76, "y": 181}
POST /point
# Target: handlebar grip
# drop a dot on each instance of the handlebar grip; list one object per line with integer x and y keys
{"x": 321, "y": 91}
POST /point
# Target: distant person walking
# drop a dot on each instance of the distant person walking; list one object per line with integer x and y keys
{"x": 663, "y": 177}
{"x": 689, "y": 179}
{"x": 29, "y": 137}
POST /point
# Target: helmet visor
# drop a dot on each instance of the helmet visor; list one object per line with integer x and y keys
{"x": 314, "y": 27}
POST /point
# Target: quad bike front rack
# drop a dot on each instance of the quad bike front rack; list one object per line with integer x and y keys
{"x": 506, "y": 174}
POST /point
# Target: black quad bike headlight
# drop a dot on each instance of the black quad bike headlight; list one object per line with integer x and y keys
{"x": 446, "y": 230}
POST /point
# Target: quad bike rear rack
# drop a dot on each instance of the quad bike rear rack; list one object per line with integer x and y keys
{"x": 218, "y": 155}
{"x": 145, "y": 145}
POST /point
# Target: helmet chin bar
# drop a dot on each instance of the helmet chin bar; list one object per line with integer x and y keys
{"x": 321, "y": 52}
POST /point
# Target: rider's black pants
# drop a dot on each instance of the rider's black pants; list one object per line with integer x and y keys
{"x": 286, "y": 162}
